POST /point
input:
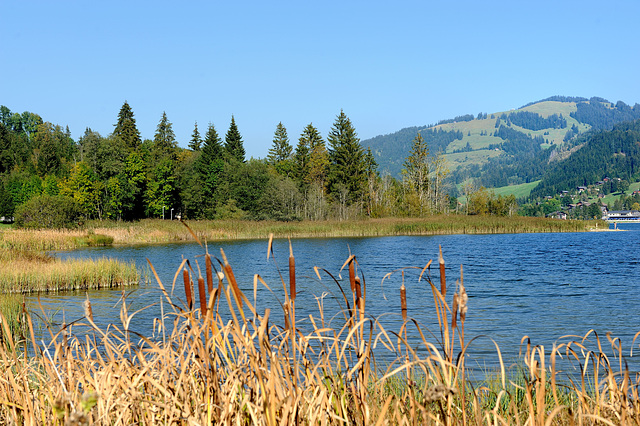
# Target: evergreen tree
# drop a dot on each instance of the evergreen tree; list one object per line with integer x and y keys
{"x": 210, "y": 168}
{"x": 233, "y": 142}
{"x": 346, "y": 155}
{"x": 126, "y": 128}
{"x": 196, "y": 140}
{"x": 281, "y": 149}
{"x": 280, "y": 153}
{"x": 164, "y": 141}
{"x": 161, "y": 189}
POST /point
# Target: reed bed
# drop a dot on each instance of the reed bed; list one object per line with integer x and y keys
{"x": 26, "y": 271}
{"x": 226, "y": 361}
{"x": 43, "y": 240}
{"x": 163, "y": 231}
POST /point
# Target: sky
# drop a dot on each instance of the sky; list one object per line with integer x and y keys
{"x": 387, "y": 65}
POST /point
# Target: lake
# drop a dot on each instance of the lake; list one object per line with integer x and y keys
{"x": 541, "y": 285}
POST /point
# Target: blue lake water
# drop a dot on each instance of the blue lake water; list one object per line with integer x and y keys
{"x": 540, "y": 285}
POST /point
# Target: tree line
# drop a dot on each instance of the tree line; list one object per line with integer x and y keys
{"x": 123, "y": 177}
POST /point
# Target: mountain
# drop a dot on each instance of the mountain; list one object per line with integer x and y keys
{"x": 508, "y": 147}
{"x": 603, "y": 154}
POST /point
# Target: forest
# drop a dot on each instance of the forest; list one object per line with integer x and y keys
{"x": 613, "y": 154}
{"x": 120, "y": 176}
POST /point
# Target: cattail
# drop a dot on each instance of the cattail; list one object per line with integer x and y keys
{"x": 232, "y": 279}
{"x": 88, "y": 312}
{"x": 203, "y": 297}
{"x": 443, "y": 280}
{"x": 187, "y": 288}
{"x": 209, "y": 273}
{"x": 352, "y": 275}
{"x": 454, "y": 311}
{"x": 292, "y": 273}
{"x": 462, "y": 299}
{"x": 403, "y": 302}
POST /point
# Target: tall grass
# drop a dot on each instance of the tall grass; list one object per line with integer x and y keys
{"x": 159, "y": 231}
{"x": 25, "y": 271}
{"x": 231, "y": 363}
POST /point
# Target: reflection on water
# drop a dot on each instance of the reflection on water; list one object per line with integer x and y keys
{"x": 540, "y": 285}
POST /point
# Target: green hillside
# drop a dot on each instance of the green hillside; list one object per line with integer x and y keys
{"x": 508, "y": 147}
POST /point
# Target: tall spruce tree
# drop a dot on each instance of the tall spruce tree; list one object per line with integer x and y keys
{"x": 196, "y": 140}
{"x": 164, "y": 140}
{"x": 210, "y": 167}
{"x": 126, "y": 128}
{"x": 281, "y": 149}
{"x": 280, "y": 153}
{"x": 346, "y": 156}
{"x": 233, "y": 142}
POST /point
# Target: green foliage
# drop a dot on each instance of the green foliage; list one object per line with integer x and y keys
{"x": 234, "y": 146}
{"x": 281, "y": 149}
{"x": 601, "y": 114}
{"x": 48, "y": 211}
{"x": 126, "y": 129}
{"x": 613, "y": 154}
{"x": 485, "y": 202}
{"x": 347, "y": 174}
{"x": 196, "y": 140}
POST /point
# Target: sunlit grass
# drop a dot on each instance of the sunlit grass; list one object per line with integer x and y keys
{"x": 26, "y": 271}
{"x": 227, "y": 361}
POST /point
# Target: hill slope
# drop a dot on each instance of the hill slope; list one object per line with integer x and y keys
{"x": 509, "y": 147}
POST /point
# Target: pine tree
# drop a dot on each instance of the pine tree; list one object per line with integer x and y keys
{"x": 164, "y": 141}
{"x": 126, "y": 128}
{"x": 233, "y": 142}
{"x": 346, "y": 156}
{"x": 281, "y": 149}
{"x": 196, "y": 140}
{"x": 209, "y": 168}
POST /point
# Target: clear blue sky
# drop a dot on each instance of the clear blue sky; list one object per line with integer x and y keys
{"x": 388, "y": 65}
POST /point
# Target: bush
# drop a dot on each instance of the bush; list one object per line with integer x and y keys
{"x": 48, "y": 211}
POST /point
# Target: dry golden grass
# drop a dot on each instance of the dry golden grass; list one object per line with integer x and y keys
{"x": 26, "y": 271}
{"x": 205, "y": 366}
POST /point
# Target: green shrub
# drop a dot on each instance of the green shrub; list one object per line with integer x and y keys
{"x": 48, "y": 211}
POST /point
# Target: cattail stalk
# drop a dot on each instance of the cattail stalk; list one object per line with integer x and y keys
{"x": 232, "y": 279}
{"x": 403, "y": 302}
{"x": 209, "y": 272}
{"x": 292, "y": 274}
{"x": 443, "y": 280}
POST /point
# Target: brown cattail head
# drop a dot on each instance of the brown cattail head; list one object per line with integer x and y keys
{"x": 443, "y": 280}
{"x": 352, "y": 275}
{"x": 88, "y": 312}
{"x": 403, "y": 302}
{"x": 203, "y": 296}
{"x": 454, "y": 311}
{"x": 209, "y": 272}
{"x": 358, "y": 288}
{"x": 292, "y": 277}
{"x": 187, "y": 288}
{"x": 232, "y": 279}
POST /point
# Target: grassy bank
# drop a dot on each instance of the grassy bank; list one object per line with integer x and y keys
{"x": 159, "y": 231}
{"x": 204, "y": 367}
{"x": 26, "y": 271}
